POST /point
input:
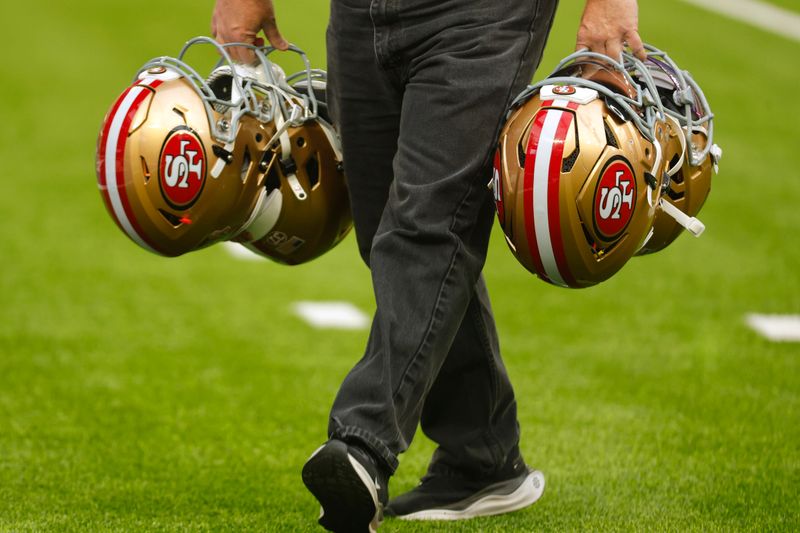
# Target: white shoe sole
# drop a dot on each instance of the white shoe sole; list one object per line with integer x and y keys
{"x": 526, "y": 494}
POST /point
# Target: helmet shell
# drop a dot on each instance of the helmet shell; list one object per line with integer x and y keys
{"x": 688, "y": 190}
{"x": 306, "y": 211}
{"x": 166, "y": 183}
{"x": 572, "y": 186}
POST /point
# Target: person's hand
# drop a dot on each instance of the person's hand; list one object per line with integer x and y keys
{"x": 607, "y": 26}
{"x": 240, "y": 21}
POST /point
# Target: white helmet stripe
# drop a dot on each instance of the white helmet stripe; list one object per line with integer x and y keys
{"x": 114, "y": 152}
{"x": 541, "y": 190}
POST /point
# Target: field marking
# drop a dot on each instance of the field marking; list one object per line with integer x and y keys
{"x": 331, "y": 315}
{"x": 777, "y": 328}
{"x": 768, "y": 17}
{"x": 240, "y": 252}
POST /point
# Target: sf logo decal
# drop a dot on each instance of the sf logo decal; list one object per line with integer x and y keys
{"x": 182, "y": 168}
{"x": 611, "y": 200}
{"x": 614, "y": 200}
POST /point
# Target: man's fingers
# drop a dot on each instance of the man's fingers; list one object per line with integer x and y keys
{"x": 582, "y": 47}
{"x": 608, "y": 26}
{"x": 274, "y": 35}
{"x": 636, "y": 45}
{"x": 598, "y": 47}
{"x": 240, "y": 21}
{"x": 614, "y": 49}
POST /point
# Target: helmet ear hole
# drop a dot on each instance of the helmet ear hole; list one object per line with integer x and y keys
{"x": 522, "y": 145}
{"x": 312, "y": 169}
{"x": 273, "y": 180}
{"x": 247, "y": 163}
{"x": 221, "y": 84}
{"x": 521, "y": 155}
{"x": 145, "y": 170}
{"x": 675, "y": 195}
{"x": 611, "y": 140}
{"x": 678, "y": 177}
{"x": 569, "y": 161}
{"x": 174, "y": 220}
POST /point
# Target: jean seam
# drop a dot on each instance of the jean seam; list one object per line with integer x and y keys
{"x": 372, "y": 6}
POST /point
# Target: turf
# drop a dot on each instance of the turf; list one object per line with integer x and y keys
{"x": 139, "y": 393}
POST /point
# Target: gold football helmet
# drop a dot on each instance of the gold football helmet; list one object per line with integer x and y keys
{"x": 690, "y": 152}
{"x": 306, "y": 210}
{"x": 184, "y": 161}
{"x": 579, "y": 169}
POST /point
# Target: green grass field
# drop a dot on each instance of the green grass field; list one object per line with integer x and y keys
{"x": 144, "y": 394}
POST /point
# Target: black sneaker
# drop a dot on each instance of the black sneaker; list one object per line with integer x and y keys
{"x": 443, "y": 497}
{"x": 350, "y": 487}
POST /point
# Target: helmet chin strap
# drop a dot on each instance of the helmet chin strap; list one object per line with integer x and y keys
{"x": 682, "y": 137}
{"x": 286, "y": 152}
{"x": 656, "y": 165}
{"x": 691, "y": 224}
{"x": 716, "y": 155}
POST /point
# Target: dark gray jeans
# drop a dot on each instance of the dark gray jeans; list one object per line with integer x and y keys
{"x": 418, "y": 89}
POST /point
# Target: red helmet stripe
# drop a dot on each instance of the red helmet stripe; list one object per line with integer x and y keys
{"x": 553, "y": 189}
{"x": 528, "y": 198}
{"x": 120, "y": 163}
{"x": 543, "y": 219}
{"x": 101, "y": 156}
{"x": 114, "y": 159}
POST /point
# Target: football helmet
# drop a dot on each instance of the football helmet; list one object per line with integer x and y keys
{"x": 306, "y": 210}
{"x": 579, "y": 169}
{"x": 184, "y": 161}
{"x": 690, "y": 152}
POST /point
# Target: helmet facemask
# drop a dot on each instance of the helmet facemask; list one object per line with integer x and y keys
{"x": 690, "y": 151}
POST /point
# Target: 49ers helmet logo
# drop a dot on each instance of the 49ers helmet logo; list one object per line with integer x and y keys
{"x": 182, "y": 168}
{"x": 614, "y": 199}
{"x": 564, "y": 90}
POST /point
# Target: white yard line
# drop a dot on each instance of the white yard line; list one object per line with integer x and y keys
{"x": 320, "y": 315}
{"x": 768, "y": 17}
{"x": 778, "y": 328}
{"x": 331, "y": 315}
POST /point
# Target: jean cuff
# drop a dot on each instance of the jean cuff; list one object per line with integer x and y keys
{"x": 378, "y": 449}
